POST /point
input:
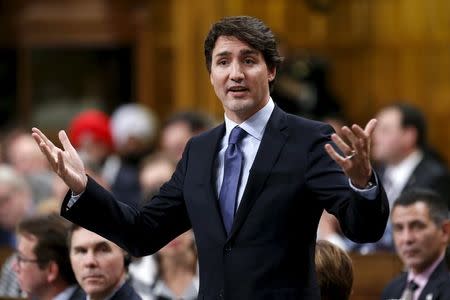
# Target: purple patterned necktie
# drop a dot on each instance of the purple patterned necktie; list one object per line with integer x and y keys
{"x": 233, "y": 160}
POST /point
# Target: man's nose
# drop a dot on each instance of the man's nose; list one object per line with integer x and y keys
{"x": 90, "y": 259}
{"x": 408, "y": 236}
{"x": 236, "y": 73}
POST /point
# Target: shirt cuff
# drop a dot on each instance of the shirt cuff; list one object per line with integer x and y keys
{"x": 74, "y": 198}
{"x": 369, "y": 193}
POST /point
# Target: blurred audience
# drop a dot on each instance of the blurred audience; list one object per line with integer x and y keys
{"x": 22, "y": 153}
{"x": 334, "y": 271}
{"x": 403, "y": 160}
{"x": 155, "y": 170}
{"x": 176, "y": 272}
{"x": 421, "y": 233}
{"x": 90, "y": 134}
{"x": 42, "y": 260}
{"x": 179, "y": 128}
{"x": 15, "y": 203}
{"x": 100, "y": 266}
{"x": 133, "y": 129}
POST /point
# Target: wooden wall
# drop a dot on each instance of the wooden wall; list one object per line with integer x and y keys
{"x": 380, "y": 51}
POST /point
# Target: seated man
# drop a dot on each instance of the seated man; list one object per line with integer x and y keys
{"x": 334, "y": 271}
{"x": 420, "y": 229}
{"x": 100, "y": 266}
{"x": 42, "y": 260}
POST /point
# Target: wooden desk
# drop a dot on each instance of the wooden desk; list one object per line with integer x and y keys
{"x": 372, "y": 273}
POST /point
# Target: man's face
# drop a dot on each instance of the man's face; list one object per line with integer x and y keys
{"x": 388, "y": 137}
{"x": 418, "y": 240}
{"x": 98, "y": 264}
{"x": 32, "y": 279}
{"x": 240, "y": 78}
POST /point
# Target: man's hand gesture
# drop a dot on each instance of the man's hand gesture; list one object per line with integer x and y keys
{"x": 356, "y": 162}
{"x": 66, "y": 163}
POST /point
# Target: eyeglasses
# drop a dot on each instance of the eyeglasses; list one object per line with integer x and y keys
{"x": 22, "y": 260}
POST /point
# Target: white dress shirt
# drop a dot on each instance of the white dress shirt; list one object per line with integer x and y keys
{"x": 249, "y": 145}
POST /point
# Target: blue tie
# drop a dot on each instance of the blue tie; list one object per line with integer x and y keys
{"x": 231, "y": 176}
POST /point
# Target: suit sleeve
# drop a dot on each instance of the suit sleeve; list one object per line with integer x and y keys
{"x": 362, "y": 220}
{"x": 139, "y": 231}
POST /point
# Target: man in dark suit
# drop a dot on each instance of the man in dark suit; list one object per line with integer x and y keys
{"x": 100, "y": 266}
{"x": 400, "y": 148}
{"x": 253, "y": 189}
{"x": 421, "y": 232}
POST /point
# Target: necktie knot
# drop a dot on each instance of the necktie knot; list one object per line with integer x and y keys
{"x": 236, "y": 135}
{"x": 412, "y": 286}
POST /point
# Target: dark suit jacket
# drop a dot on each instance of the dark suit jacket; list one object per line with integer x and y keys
{"x": 438, "y": 285}
{"x": 430, "y": 173}
{"x": 126, "y": 292}
{"x": 269, "y": 253}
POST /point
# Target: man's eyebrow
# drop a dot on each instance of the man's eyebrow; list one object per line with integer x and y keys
{"x": 223, "y": 53}
{"x": 242, "y": 52}
{"x": 249, "y": 52}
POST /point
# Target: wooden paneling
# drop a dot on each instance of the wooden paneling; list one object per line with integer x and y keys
{"x": 372, "y": 273}
{"x": 379, "y": 51}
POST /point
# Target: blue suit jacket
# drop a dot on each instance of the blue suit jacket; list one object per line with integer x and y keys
{"x": 437, "y": 288}
{"x": 269, "y": 253}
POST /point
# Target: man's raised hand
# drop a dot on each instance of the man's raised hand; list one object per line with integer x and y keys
{"x": 66, "y": 163}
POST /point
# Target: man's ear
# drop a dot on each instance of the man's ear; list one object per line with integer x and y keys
{"x": 272, "y": 73}
{"x": 53, "y": 271}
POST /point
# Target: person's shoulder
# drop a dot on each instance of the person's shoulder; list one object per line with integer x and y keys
{"x": 432, "y": 165}
{"x": 126, "y": 292}
{"x": 392, "y": 288}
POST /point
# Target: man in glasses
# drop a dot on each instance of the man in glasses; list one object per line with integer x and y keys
{"x": 42, "y": 259}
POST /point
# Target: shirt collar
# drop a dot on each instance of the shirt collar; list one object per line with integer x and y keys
{"x": 402, "y": 171}
{"x": 422, "y": 278}
{"x": 254, "y": 125}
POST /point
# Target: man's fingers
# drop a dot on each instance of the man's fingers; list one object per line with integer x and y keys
{"x": 334, "y": 155}
{"x": 66, "y": 142}
{"x": 346, "y": 149}
{"x": 353, "y": 139}
{"x": 42, "y": 137}
{"x": 370, "y": 127}
{"x": 359, "y": 132}
{"x": 61, "y": 164}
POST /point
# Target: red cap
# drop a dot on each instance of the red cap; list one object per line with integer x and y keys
{"x": 93, "y": 124}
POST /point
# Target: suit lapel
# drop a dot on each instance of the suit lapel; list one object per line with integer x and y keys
{"x": 272, "y": 142}
{"x": 438, "y": 277}
{"x": 209, "y": 170}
